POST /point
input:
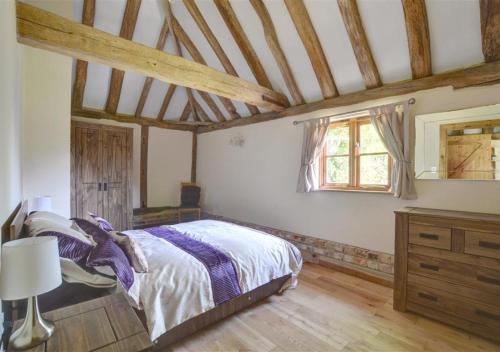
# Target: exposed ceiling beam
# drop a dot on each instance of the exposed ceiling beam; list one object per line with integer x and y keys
{"x": 143, "y": 121}
{"x": 126, "y": 32}
{"x": 234, "y": 26}
{"x": 42, "y": 29}
{"x": 186, "y": 112}
{"x": 275, "y": 47}
{"x": 417, "y": 31}
{"x": 490, "y": 29}
{"x": 160, "y": 45}
{"x": 166, "y": 101}
{"x": 88, "y": 15}
{"x": 217, "y": 48}
{"x": 359, "y": 43}
{"x": 476, "y": 75}
{"x": 305, "y": 29}
{"x": 196, "y": 55}
{"x": 45, "y": 30}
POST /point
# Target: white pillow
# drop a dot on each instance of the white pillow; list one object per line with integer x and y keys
{"x": 72, "y": 272}
{"x": 48, "y": 216}
{"x": 37, "y": 226}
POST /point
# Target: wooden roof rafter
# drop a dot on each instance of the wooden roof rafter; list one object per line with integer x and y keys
{"x": 127, "y": 31}
{"x": 310, "y": 40}
{"x": 169, "y": 16}
{"x": 217, "y": 48}
{"x": 275, "y": 47}
{"x": 160, "y": 45}
{"x": 166, "y": 101}
{"x": 419, "y": 43}
{"x": 88, "y": 16}
{"x": 229, "y": 16}
{"x": 359, "y": 42}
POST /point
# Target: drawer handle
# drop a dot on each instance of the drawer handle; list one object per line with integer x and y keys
{"x": 428, "y": 236}
{"x": 429, "y": 266}
{"x": 488, "y": 280}
{"x": 487, "y": 315}
{"x": 490, "y": 245}
{"x": 428, "y": 297}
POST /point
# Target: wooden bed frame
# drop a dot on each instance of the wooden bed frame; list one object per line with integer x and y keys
{"x": 15, "y": 230}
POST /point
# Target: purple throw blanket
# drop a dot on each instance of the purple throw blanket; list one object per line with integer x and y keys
{"x": 219, "y": 266}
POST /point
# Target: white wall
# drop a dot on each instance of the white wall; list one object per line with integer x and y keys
{"x": 257, "y": 182}
{"x": 169, "y": 164}
{"x": 10, "y": 113}
{"x": 46, "y": 99}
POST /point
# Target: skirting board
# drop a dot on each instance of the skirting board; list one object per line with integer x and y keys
{"x": 364, "y": 263}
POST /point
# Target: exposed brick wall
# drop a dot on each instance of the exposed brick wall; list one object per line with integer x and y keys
{"x": 318, "y": 250}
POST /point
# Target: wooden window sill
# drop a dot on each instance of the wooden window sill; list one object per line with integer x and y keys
{"x": 353, "y": 191}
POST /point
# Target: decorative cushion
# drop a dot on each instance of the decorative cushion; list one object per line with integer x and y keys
{"x": 70, "y": 247}
{"x": 92, "y": 230}
{"x": 132, "y": 250}
{"x": 101, "y": 222}
{"x": 109, "y": 253}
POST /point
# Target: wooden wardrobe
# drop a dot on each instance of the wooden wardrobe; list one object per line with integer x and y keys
{"x": 101, "y": 173}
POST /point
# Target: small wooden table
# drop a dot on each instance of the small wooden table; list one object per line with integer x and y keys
{"x": 106, "y": 324}
{"x": 192, "y": 214}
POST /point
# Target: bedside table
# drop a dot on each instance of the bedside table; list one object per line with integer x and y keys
{"x": 105, "y": 324}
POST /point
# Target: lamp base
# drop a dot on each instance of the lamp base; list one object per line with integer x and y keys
{"x": 34, "y": 330}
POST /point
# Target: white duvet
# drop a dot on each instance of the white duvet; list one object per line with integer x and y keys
{"x": 177, "y": 286}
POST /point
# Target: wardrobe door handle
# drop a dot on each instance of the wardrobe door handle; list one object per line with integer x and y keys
{"x": 99, "y": 186}
{"x": 428, "y": 236}
{"x": 489, "y": 245}
{"x": 429, "y": 266}
{"x": 105, "y": 186}
{"x": 488, "y": 280}
{"x": 488, "y": 315}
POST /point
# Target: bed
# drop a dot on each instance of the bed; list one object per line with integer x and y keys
{"x": 182, "y": 292}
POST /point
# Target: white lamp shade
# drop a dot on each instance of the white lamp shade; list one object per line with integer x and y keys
{"x": 42, "y": 204}
{"x": 30, "y": 267}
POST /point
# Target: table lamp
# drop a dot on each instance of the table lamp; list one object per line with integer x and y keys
{"x": 30, "y": 267}
{"x": 43, "y": 203}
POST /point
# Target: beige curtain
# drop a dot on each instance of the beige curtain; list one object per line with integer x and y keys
{"x": 314, "y": 138}
{"x": 396, "y": 129}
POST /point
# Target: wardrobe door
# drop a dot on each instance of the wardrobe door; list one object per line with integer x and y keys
{"x": 86, "y": 170}
{"x": 117, "y": 156}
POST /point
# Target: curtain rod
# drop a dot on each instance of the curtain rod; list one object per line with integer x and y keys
{"x": 410, "y": 101}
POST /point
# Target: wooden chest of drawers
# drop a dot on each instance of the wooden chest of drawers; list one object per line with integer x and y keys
{"x": 447, "y": 267}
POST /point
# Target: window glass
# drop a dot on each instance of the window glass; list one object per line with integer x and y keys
{"x": 373, "y": 169}
{"x": 337, "y": 142}
{"x": 369, "y": 140}
{"x": 337, "y": 169}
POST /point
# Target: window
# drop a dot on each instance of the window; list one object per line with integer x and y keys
{"x": 354, "y": 158}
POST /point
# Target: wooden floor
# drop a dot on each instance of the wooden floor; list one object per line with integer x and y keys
{"x": 331, "y": 311}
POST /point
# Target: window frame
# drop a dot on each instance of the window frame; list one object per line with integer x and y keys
{"x": 354, "y": 161}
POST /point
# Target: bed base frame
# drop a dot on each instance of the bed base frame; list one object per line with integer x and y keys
{"x": 217, "y": 314}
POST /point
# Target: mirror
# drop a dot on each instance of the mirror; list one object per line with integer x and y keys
{"x": 458, "y": 145}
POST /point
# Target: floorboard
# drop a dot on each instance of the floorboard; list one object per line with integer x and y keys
{"x": 331, "y": 311}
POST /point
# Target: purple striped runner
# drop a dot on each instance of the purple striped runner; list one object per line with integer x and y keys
{"x": 219, "y": 266}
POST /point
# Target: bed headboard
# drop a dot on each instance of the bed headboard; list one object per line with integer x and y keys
{"x": 15, "y": 226}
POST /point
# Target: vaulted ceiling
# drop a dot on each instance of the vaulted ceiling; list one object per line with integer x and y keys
{"x": 309, "y": 50}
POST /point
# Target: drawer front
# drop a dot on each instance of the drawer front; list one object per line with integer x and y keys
{"x": 482, "y": 243}
{"x": 465, "y": 274}
{"x": 431, "y": 236}
{"x": 455, "y": 305}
